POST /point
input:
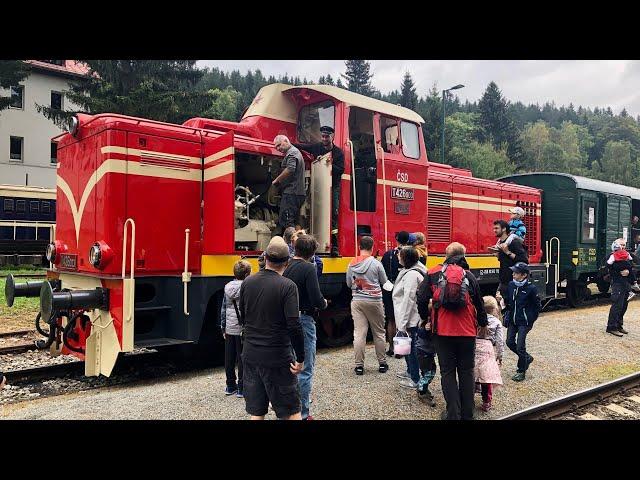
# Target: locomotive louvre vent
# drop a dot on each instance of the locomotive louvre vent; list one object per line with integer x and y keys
{"x": 439, "y": 216}
{"x": 530, "y": 223}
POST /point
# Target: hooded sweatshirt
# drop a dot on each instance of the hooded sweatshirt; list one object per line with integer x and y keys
{"x": 365, "y": 277}
{"x": 404, "y": 296}
{"x": 228, "y": 316}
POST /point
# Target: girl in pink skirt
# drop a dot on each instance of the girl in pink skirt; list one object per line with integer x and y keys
{"x": 489, "y": 350}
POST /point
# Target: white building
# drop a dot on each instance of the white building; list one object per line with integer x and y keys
{"x": 27, "y": 155}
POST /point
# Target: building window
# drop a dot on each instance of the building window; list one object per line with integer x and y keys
{"x": 34, "y": 206}
{"x": 410, "y": 140}
{"x": 56, "y": 100}
{"x": 55, "y": 62}
{"x": 54, "y": 153}
{"x": 21, "y": 206}
{"x": 17, "y": 97}
{"x": 8, "y": 204}
{"x": 16, "y": 146}
{"x": 46, "y": 207}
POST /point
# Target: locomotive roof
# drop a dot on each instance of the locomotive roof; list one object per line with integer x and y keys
{"x": 270, "y": 102}
{"x": 585, "y": 183}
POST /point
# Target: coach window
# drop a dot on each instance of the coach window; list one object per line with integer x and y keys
{"x": 17, "y": 97}
{"x": 16, "y": 146}
{"x": 312, "y": 117}
{"x": 389, "y": 135}
{"x": 46, "y": 207}
{"x": 54, "y": 153}
{"x": 588, "y": 221}
{"x": 8, "y": 205}
{"x": 410, "y": 140}
{"x": 34, "y": 206}
{"x": 21, "y": 206}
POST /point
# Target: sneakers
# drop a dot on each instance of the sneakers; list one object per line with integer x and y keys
{"x": 408, "y": 383}
{"x": 630, "y": 296}
{"x": 383, "y": 368}
{"x": 427, "y": 397}
{"x": 403, "y": 375}
{"x": 529, "y": 360}
{"x": 635, "y": 287}
{"x": 518, "y": 377}
{"x": 230, "y": 390}
{"x": 614, "y": 332}
{"x": 478, "y": 388}
{"x": 389, "y": 353}
{"x": 622, "y": 330}
{"x": 239, "y": 394}
{"x": 309, "y": 417}
{"x": 359, "y": 370}
{"x": 486, "y": 406}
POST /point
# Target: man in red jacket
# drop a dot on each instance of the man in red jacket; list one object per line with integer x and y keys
{"x": 454, "y": 327}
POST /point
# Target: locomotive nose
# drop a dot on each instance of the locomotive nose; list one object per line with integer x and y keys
{"x": 26, "y": 289}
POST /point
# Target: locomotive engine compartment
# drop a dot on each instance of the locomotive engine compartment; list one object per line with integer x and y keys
{"x": 256, "y": 201}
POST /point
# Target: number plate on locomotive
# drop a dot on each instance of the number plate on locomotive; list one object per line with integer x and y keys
{"x": 68, "y": 261}
{"x": 402, "y": 193}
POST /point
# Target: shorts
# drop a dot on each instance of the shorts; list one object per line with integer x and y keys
{"x": 270, "y": 384}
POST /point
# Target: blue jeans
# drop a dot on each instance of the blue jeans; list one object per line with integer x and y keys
{"x": 519, "y": 346}
{"x": 305, "y": 377}
{"x": 413, "y": 367}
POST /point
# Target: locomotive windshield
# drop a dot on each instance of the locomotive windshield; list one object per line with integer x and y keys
{"x": 312, "y": 117}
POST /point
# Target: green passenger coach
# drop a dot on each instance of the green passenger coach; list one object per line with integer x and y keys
{"x": 581, "y": 217}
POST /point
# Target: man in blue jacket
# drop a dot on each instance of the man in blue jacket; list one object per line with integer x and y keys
{"x": 522, "y": 309}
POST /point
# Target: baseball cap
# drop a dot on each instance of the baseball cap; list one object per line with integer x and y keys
{"x": 520, "y": 267}
{"x": 517, "y": 210}
{"x": 277, "y": 251}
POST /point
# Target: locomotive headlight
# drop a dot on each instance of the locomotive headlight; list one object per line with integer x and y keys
{"x": 72, "y": 125}
{"x": 51, "y": 252}
{"x": 100, "y": 254}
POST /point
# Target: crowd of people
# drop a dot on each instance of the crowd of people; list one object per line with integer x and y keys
{"x": 435, "y": 318}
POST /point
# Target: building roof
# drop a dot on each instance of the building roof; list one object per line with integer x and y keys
{"x": 362, "y": 101}
{"x": 74, "y": 68}
{"x": 585, "y": 183}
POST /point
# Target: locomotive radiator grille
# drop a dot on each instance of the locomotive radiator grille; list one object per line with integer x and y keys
{"x": 531, "y": 224}
{"x": 439, "y": 216}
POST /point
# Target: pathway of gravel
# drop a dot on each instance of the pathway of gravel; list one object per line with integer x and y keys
{"x": 570, "y": 347}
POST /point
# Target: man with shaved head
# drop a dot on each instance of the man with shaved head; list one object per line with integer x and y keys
{"x": 291, "y": 180}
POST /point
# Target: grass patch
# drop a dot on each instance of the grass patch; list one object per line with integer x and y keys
{"x": 21, "y": 269}
{"x": 614, "y": 370}
{"x": 19, "y": 317}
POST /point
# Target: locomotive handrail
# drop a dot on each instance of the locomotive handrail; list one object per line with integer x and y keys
{"x": 186, "y": 275}
{"x": 384, "y": 198}
{"x": 355, "y": 198}
{"x": 548, "y": 251}
{"x": 124, "y": 256}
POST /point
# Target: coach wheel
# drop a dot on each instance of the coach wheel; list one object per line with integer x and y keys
{"x": 334, "y": 330}
{"x": 577, "y": 293}
{"x": 603, "y": 287}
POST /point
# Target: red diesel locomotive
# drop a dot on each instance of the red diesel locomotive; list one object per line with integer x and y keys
{"x": 151, "y": 216}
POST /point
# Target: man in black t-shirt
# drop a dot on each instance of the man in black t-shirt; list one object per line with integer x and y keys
{"x": 336, "y": 156}
{"x": 508, "y": 255}
{"x": 273, "y": 335}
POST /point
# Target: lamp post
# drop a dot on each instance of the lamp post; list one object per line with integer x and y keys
{"x": 444, "y": 98}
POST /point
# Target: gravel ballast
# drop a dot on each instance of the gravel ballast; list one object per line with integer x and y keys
{"x": 571, "y": 350}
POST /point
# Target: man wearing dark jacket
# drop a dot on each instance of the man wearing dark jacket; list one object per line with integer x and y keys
{"x": 303, "y": 274}
{"x": 391, "y": 264}
{"x": 620, "y": 288}
{"x": 523, "y": 307}
{"x": 454, "y": 334}
{"x": 508, "y": 255}
{"x": 270, "y": 315}
{"x": 327, "y": 149}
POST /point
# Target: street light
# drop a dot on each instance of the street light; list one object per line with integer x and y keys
{"x": 444, "y": 92}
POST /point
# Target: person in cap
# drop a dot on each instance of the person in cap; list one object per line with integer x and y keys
{"x": 522, "y": 309}
{"x": 623, "y": 281}
{"x": 333, "y": 154}
{"x": 517, "y": 228}
{"x": 291, "y": 180}
{"x": 508, "y": 256}
{"x": 273, "y": 351}
{"x": 391, "y": 264}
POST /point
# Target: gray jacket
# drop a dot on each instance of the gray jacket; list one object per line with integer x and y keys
{"x": 229, "y": 319}
{"x": 365, "y": 277}
{"x": 405, "y": 307}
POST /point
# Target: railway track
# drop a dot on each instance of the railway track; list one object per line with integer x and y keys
{"x": 20, "y": 348}
{"x": 624, "y": 391}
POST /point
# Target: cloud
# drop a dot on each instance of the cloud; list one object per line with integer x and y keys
{"x": 590, "y": 83}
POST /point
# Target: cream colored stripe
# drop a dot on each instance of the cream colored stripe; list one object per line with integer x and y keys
{"x": 147, "y": 170}
{"x": 477, "y": 206}
{"x": 150, "y": 153}
{"x": 218, "y": 155}
{"x": 48, "y": 194}
{"x": 393, "y": 183}
{"x": 220, "y": 170}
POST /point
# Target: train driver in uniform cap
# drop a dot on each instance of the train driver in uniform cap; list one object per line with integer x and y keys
{"x": 326, "y": 148}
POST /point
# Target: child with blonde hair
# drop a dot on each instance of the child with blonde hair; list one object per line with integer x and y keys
{"x": 489, "y": 350}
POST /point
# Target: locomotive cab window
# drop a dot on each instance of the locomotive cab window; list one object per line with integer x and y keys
{"x": 389, "y": 135}
{"x": 589, "y": 216}
{"x": 410, "y": 140}
{"x": 312, "y": 117}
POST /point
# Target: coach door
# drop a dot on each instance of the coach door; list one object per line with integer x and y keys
{"x": 218, "y": 195}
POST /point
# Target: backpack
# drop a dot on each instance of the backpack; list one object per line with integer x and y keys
{"x": 452, "y": 289}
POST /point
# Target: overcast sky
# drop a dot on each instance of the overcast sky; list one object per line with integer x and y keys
{"x": 592, "y": 83}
